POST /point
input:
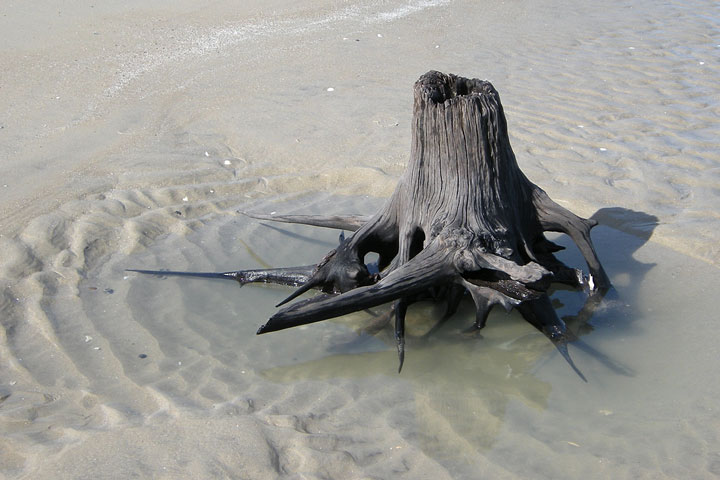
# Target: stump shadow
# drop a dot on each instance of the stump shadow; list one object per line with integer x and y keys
{"x": 619, "y": 234}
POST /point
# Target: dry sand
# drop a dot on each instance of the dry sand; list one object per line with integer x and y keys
{"x": 131, "y": 134}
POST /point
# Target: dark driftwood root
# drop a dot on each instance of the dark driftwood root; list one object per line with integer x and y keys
{"x": 462, "y": 218}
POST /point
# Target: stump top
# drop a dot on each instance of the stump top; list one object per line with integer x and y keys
{"x": 438, "y": 87}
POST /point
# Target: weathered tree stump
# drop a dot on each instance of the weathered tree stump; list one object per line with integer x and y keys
{"x": 463, "y": 218}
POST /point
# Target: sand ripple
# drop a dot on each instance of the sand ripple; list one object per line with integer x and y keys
{"x": 134, "y": 149}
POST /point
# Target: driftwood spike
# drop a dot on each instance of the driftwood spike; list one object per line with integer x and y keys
{"x": 308, "y": 285}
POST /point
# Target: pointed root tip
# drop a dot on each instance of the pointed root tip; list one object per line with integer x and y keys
{"x": 147, "y": 272}
{"x": 302, "y": 289}
{"x": 286, "y": 300}
{"x": 401, "y": 357}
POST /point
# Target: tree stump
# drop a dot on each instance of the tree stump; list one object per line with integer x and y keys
{"x": 463, "y": 218}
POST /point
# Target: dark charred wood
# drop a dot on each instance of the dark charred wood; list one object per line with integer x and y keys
{"x": 462, "y": 218}
{"x": 462, "y": 214}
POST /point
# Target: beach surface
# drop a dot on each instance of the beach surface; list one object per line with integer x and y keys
{"x": 131, "y": 135}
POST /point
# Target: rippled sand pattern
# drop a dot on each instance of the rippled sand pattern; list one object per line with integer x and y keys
{"x": 134, "y": 141}
{"x": 637, "y": 108}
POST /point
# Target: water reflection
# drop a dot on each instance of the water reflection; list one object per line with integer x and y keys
{"x": 462, "y": 385}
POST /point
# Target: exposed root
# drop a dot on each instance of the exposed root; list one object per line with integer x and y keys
{"x": 292, "y": 276}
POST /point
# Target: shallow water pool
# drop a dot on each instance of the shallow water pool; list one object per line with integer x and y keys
{"x": 503, "y": 401}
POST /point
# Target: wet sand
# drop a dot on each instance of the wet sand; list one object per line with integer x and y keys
{"x": 131, "y": 136}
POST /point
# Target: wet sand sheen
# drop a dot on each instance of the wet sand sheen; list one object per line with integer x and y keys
{"x": 134, "y": 142}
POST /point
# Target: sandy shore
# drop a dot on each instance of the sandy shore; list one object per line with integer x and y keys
{"x": 130, "y": 135}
